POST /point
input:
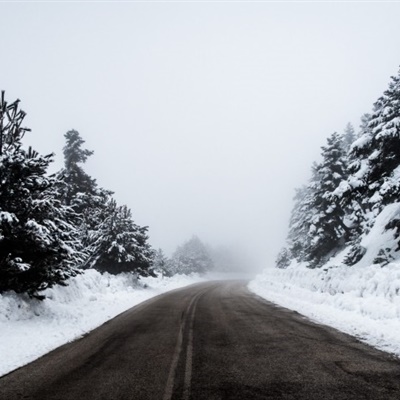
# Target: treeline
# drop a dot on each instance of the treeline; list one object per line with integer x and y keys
{"x": 359, "y": 176}
{"x": 54, "y": 227}
{"x": 193, "y": 256}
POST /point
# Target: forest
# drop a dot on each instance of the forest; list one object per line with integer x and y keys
{"x": 53, "y": 227}
{"x": 357, "y": 178}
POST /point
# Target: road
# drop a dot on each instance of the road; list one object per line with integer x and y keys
{"x": 208, "y": 341}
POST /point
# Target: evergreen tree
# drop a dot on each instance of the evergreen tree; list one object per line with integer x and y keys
{"x": 329, "y": 229}
{"x": 161, "y": 263}
{"x": 301, "y": 221}
{"x": 317, "y": 225}
{"x": 284, "y": 258}
{"x": 76, "y": 179}
{"x": 81, "y": 192}
{"x": 351, "y": 186}
{"x": 348, "y": 137}
{"x": 191, "y": 257}
{"x": 119, "y": 245}
{"x": 374, "y": 167}
{"x": 376, "y": 172}
{"x": 38, "y": 246}
{"x": 351, "y": 194}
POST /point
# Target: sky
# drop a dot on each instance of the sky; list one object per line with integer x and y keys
{"x": 203, "y": 116}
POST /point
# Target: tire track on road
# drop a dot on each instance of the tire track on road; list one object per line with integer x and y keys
{"x": 187, "y": 321}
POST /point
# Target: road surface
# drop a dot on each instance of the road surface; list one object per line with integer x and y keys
{"x": 208, "y": 341}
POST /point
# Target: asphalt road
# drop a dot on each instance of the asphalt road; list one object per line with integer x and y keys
{"x": 208, "y": 341}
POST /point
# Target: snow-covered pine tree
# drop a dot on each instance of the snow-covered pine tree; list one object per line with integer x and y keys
{"x": 76, "y": 179}
{"x": 317, "y": 224}
{"x": 301, "y": 225}
{"x": 298, "y": 239}
{"x": 370, "y": 181}
{"x": 82, "y": 193}
{"x": 284, "y": 258}
{"x": 191, "y": 257}
{"x": 161, "y": 263}
{"x": 119, "y": 245}
{"x": 374, "y": 167}
{"x": 329, "y": 231}
{"x": 375, "y": 158}
{"x": 382, "y": 148}
{"x": 38, "y": 246}
{"x": 349, "y": 137}
{"x": 351, "y": 194}
{"x": 380, "y": 154}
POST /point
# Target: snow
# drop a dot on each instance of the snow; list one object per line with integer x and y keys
{"x": 8, "y": 217}
{"x": 362, "y": 300}
{"x": 31, "y": 328}
{"x": 380, "y": 238}
{"x": 361, "y": 142}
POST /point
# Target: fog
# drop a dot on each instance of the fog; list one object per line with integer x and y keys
{"x": 203, "y": 116}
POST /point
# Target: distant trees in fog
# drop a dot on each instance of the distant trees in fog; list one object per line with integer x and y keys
{"x": 191, "y": 257}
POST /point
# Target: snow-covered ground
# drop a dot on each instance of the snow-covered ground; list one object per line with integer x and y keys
{"x": 31, "y": 328}
{"x": 362, "y": 300}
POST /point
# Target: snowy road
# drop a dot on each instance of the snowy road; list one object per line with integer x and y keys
{"x": 208, "y": 341}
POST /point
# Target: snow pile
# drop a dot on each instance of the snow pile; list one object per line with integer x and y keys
{"x": 362, "y": 300}
{"x": 31, "y": 328}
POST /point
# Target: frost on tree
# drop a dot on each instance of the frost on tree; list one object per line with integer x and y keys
{"x": 38, "y": 246}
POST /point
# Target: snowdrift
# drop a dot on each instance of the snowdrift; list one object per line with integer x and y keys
{"x": 362, "y": 300}
{"x": 30, "y": 328}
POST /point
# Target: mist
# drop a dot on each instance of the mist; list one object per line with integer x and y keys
{"x": 203, "y": 117}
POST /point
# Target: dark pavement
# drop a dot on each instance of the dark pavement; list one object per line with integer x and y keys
{"x": 208, "y": 341}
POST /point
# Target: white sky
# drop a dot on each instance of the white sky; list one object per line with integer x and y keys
{"x": 203, "y": 117}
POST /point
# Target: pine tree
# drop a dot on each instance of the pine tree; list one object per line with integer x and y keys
{"x": 301, "y": 221}
{"x": 330, "y": 232}
{"x": 76, "y": 179}
{"x": 161, "y": 263}
{"x": 79, "y": 188}
{"x": 354, "y": 183}
{"x": 81, "y": 192}
{"x": 351, "y": 194}
{"x": 284, "y": 258}
{"x": 38, "y": 246}
{"x": 374, "y": 168}
{"x": 377, "y": 171}
{"x": 191, "y": 257}
{"x": 317, "y": 225}
{"x": 119, "y": 245}
{"x": 348, "y": 137}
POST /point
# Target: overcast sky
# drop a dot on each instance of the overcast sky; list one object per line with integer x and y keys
{"x": 203, "y": 117}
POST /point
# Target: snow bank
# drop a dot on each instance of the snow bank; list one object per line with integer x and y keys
{"x": 361, "y": 301}
{"x": 31, "y": 328}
